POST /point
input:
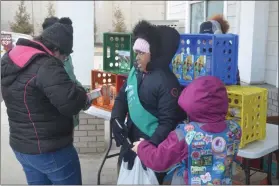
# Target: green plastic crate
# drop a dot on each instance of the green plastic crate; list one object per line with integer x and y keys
{"x": 118, "y": 55}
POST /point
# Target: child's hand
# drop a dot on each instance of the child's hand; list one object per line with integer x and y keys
{"x": 136, "y": 144}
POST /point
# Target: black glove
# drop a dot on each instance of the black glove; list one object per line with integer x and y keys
{"x": 120, "y": 134}
{"x": 129, "y": 156}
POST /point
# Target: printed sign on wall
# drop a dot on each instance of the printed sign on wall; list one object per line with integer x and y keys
{"x": 6, "y": 43}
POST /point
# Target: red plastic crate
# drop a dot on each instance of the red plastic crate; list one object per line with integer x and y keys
{"x": 120, "y": 80}
{"x": 106, "y": 81}
{"x": 110, "y": 84}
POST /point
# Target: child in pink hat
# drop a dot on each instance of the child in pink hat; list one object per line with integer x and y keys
{"x": 199, "y": 152}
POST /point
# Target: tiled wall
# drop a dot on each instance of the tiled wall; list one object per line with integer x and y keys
{"x": 272, "y": 102}
{"x": 271, "y": 67}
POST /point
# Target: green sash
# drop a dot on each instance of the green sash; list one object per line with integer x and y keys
{"x": 145, "y": 121}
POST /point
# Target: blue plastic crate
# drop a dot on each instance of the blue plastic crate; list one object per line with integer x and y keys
{"x": 206, "y": 54}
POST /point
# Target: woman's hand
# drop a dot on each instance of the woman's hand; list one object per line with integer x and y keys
{"x": 136, "y": 144}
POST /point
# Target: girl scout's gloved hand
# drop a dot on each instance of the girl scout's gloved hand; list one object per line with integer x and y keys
{"x": 91, "y": 96}
{"x": 130, "y": 154}
{"x": 120, "y": 131}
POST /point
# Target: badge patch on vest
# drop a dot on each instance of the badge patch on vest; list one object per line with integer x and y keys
{"x": 208, "y": 138}
{"x": 206, "y": 178}
{"x": 207, "y": 160}
{"x": 196, "y": 181}
{"x": 230, "y": 135}
{"x": 216, "y": 182}
{"x": 199, "y": 136}
{"x": 227, "y": 181}
{"x": 218, "y": 167}
{"x": 218, "y": 144}
{"x": 235, "y": 146}
{"x": 190, "y": 136}
{"x": 206, "y": 152}
{"x": 202, "y": 161}
{"x": 234, "y": 129}
{"x": 198, "y": 170}
{"x": 196, "y": 155}
{"x": 189, "y": 127}
{"x": 230, "y": 150}
{"x": 198, "y": 144}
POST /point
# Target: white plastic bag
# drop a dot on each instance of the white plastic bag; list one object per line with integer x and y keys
{"x": 137, "y": 175}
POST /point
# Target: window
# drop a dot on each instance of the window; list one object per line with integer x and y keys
{"x": 197, "y": 16}
{"x": 201, "y": 11}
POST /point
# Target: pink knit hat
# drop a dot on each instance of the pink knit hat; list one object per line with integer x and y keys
{"x": 141, "y": 45}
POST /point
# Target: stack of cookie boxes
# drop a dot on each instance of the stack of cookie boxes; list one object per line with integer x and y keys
{"x": 118, "y": 59}
{"x": 217, "y": 55}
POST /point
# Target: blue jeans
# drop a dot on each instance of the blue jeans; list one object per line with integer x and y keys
{"x": 55, "y": 168}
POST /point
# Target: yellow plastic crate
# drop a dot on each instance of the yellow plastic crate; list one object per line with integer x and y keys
{"x": 248, "y": 106}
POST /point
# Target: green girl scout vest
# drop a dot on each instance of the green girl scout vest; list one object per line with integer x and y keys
{"x": 145, "y": 121}
{"x": 69, "y": 68}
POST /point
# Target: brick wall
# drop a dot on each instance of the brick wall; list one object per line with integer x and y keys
{"x": 89, "y": 135}
{"x": 272, "y": 102}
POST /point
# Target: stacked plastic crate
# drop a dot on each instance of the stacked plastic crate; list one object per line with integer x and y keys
{"x": 118, "y": 59}
{"x": 202, "y": 54}
{"x": 198, "y": 55}
{"x": 217, "y": 55}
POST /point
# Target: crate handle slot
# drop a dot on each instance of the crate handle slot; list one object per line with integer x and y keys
{"x": 198, "y": 50}
{"x": 188, "y": 50}
{"x": 108, "y": 52}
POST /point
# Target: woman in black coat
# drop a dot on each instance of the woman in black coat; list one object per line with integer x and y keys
{"x": 41, "y": 100}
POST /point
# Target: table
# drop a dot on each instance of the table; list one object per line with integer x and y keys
{"x": 253, "y": 150}
{"x": 94, "y": 111}
{"x": 259, "y": 149}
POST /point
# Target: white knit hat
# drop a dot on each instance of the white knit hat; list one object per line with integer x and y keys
{"x": 141, "y": 45}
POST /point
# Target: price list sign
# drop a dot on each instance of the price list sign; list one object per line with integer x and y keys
{"x": 6, "y": 42}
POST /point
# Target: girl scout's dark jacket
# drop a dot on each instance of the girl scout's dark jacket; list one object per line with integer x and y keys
{"x": 158, "y": 89}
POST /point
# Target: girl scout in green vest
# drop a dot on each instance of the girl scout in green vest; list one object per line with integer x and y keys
{"x": 150, "y": 95}
{"x": 68, "y": 66}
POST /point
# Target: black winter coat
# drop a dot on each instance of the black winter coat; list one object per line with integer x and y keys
{"x": 158, "y": 92}
{"x": 40, "y": 98}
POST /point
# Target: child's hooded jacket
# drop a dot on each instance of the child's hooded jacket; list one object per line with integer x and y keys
{"x": 205, "y": 101}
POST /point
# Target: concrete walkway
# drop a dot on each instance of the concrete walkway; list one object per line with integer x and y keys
{"x": 12, "y": 173}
